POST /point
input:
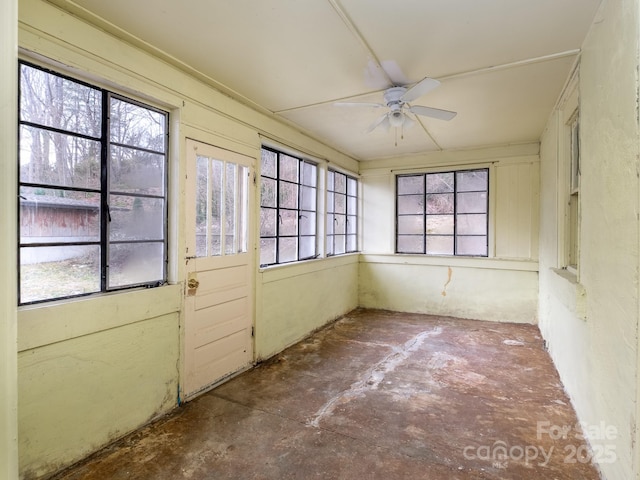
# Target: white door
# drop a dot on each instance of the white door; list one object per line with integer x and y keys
{"x": 219, "y": 285}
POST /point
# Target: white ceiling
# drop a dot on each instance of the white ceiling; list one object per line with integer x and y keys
{"x": 501, "y": 63}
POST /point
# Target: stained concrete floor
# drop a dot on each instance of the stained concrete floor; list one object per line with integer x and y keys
{"x": 375, "y": 395}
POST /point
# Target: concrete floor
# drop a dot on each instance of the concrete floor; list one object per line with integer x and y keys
{"x": 376, "y": 395}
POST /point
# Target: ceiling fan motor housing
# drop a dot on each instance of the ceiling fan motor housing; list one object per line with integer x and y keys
{"x": 393, "y": 96}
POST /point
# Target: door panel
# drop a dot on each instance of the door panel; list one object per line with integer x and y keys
{"x": 219, "y": 285}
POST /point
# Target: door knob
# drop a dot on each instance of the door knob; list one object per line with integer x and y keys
{"x": 193, "y": 283}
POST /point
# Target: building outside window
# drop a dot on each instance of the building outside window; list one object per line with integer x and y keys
{"x": 288, "y": 206}
{"x": 342, "y": 213}
{"x": 443, "y": 213}
{"x": 92, "y": 185}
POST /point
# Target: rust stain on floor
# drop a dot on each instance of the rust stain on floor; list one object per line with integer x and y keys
{"x": 375, "y": 395}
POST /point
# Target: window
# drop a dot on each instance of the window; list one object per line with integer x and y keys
{"x": 92, "y": 185}
{"x": 342, "y": 213}
{"x": 443, "y": 213}
{"x": 288, "y": 197}
{"x": 574, "y": 191}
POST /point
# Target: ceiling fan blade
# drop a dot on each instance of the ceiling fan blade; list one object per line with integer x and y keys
{"x": 379, "y": 121}
{"x": 423, "y": 86}
{"x": 358, "y": 104}
{"x": 375, "y": 76}
{"x": 394, "y": 72}
{"x": 432, "y": 112}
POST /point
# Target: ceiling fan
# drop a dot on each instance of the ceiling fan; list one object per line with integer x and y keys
{"x": 397, "y": 99}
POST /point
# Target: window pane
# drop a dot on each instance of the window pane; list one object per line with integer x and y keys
{"x": 309, "y": 174}
{"x": 307, "y": 247}
{"x": 331, "y": 221}
{"x": 472, "y": 202}
{"x": 352, "y": 243}
{"x": 352, "y": 205}
{"x": 330, "y": 180}
{"x": 216, "y": 213}
{"x": 54, "y": 272}
{"x": 437, "y": 245}
{"x": 47, "y": 99}
{"x": 352, "y": 187}
{"x": 288, "y": 222}
{"x": 288, "y": 250}
{"x": 408, "y": 204}
{"x": 136, "y": 218}
{"x": 330, "y": 202}
{"x": 48, "y": 215}
{"x": 352, "y": 224}
{"x": 202, "y": 192}
{"x": 136, "y": 171}
{"x": 288, "y": 195}
{"x": 340, "y": 224}
{"x": 340, "y": 184}
{"x": 440, "y": 224}
{"x": 340, "y": 244}
{"x": 471, "y": 245}
{"x": 410, "y": 224}
{"x": 307, "y": 223}
{"x": 330, "y": 241}
{"x": 267, "y": 251}
{"x": 268, "y": 163}
{"x": 410, "y": 184}
{"x": 267, "y": 222}
{"x": 307, "y": 198}
{"x": 472, "y": 180}
{"x": 340, "y": 203}
{"x": 475, "y": 224}
{"x": 410, "y": 244}
{"x": 289, "y": 168}
{"x": 267, "y": 192}
{"x": 56, "y": 159}
{"x": 135, "y": 263}
{"x": 137, "y": 126}
{"x": 230, "y": 208}
{"x": 440, "y": 182}
{"x": 242, "y": 210}
{"x": 440, "y": 203}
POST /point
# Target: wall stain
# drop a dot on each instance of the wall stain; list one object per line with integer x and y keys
{"x": 449, "y": 274}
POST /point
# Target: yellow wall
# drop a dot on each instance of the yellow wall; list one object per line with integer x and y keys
{"x": 590, "y": 319}
{"x": 503, "y": 286}
{"x": 296, "y": 299}
{"x": 8, "y": 225}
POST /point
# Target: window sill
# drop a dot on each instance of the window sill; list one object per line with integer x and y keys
{"x": 569, "y": 291}
{"x": 452, "y": 261}
{"x": 287, "y": 270}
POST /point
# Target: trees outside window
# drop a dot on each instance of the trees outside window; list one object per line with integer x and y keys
{"x": 92, "y": 183}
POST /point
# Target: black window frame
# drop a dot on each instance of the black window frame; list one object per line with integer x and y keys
{"x": 104, "y": 191}
{"x": 300, "y": 212}
{"x": 455, "y": 213}
{"x": 333, "y": 217}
